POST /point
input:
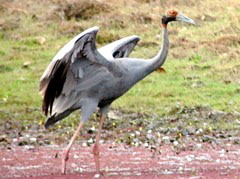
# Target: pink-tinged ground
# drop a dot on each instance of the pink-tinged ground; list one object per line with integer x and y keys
{"x": 119, "y": 161}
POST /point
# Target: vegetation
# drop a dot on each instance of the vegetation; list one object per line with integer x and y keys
{"x": 202, "y": 69}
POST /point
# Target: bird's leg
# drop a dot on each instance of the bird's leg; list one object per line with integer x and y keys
{"x": 96, "y": 145}
{"x": 65, "y": 153}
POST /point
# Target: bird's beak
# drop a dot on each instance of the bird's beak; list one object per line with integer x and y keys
{"x": 181, "y": 17}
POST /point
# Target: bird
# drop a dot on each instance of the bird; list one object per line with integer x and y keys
{"x": 80, "y": 77}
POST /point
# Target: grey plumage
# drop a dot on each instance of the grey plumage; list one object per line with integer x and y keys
{"x": 82, "y": 68}
{"x": 84, "y": 75}
{"x": 80, "y": 77}
{"x": 120, "y": 48}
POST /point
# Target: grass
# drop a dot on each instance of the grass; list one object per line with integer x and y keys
{"x": 201, "y": 70}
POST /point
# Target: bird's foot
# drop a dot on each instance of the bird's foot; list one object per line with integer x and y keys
{"x": 64, "y": 162}
{"x": 64, "y": 168}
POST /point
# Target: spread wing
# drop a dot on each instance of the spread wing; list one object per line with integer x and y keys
{"x": 120, "y": 48}
{"x": 77, "y": 66}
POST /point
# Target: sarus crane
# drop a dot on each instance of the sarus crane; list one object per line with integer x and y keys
{"x": 81, "y": 77}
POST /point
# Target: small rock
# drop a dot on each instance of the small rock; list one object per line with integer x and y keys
{"x": 149, "y": 136}
{"x": 137, "y": 133}
{"x": 222, "y": 155}
{"x": 29, "y": 147}
{"x": 199, "y": 131}
{"x": 198, "y": 146}
{"x": 97, "y": 175}
{"x": 136, "y": 144}
{"x": 197, "y": 84}
{"x": 175, "y": 143}
{"x": 145, "y": 144}
{"x": 191, "y": 130}
{"x": 41, "y": 40}
{"x": 33, "y": 139}
{"x": 189, "y": 158}
{"x": 184, "y": 132}
{"x": 26, "y": 64}
{"x": 79, "y": 170}
{"x": 132, "y": 134}
{"x": 165, "y": 138}
{"x": 75, "y": 156}
{"x": 149, "y": 131}
{"x": 90, "y": 141}
{"x": 180, "y": 168}
{"x": 93, "y": 128}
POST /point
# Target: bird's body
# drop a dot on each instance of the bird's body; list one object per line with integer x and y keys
{"x": 93, "y": 89}
{"x": 83, "y": 83}
{"x": 79, "y": 77}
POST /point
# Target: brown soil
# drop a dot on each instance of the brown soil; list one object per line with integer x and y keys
{"x": 122, "y": 161}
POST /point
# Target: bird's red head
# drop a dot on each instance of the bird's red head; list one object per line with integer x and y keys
{"x": 170, "y": 16}
{"x": 172, "y": 13}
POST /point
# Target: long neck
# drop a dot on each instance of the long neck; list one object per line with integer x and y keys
{"x": 140, "y": 69}
{"x": 160, "y": 58}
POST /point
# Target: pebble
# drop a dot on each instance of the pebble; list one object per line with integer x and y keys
{"x": 149, "y": 131}
{"x": 145, "y": 144}
{"x": 41, "y": 40}
{"x": 198, "y": 146}
{"x": 28, "y": 147}
{"x": 84, "y": 144}
{"x": 26, "y": 64}
{"x": 189, "y": 158}
{"x": 149, "y": 135}
{"x": 165, "y": 138}
{"x": 180, "y": 168}
{"x": 33, "y": 139}
{"x": 222, "y": 155}
{"x": 93, "y": 128}
{"x": 79, "y": 170}
{"x": 199, "y": 131}
{"x": 97, "y": 175}
{"x": 175, "y": 143}
{"x": 75, "y": 156}
{"x": 137, "y": 132}
{"x": 90, "y": 141}
{"x": 136, "y": 144}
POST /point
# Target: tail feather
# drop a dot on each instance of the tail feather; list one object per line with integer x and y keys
{"x": 55, "y": 118}
{"x": 50, "y": 121}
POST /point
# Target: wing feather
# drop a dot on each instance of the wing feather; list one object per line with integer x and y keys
{"x": 120, "y": 48}
{"x": 46, "y": 77}
{"x": 80, "y": 68}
